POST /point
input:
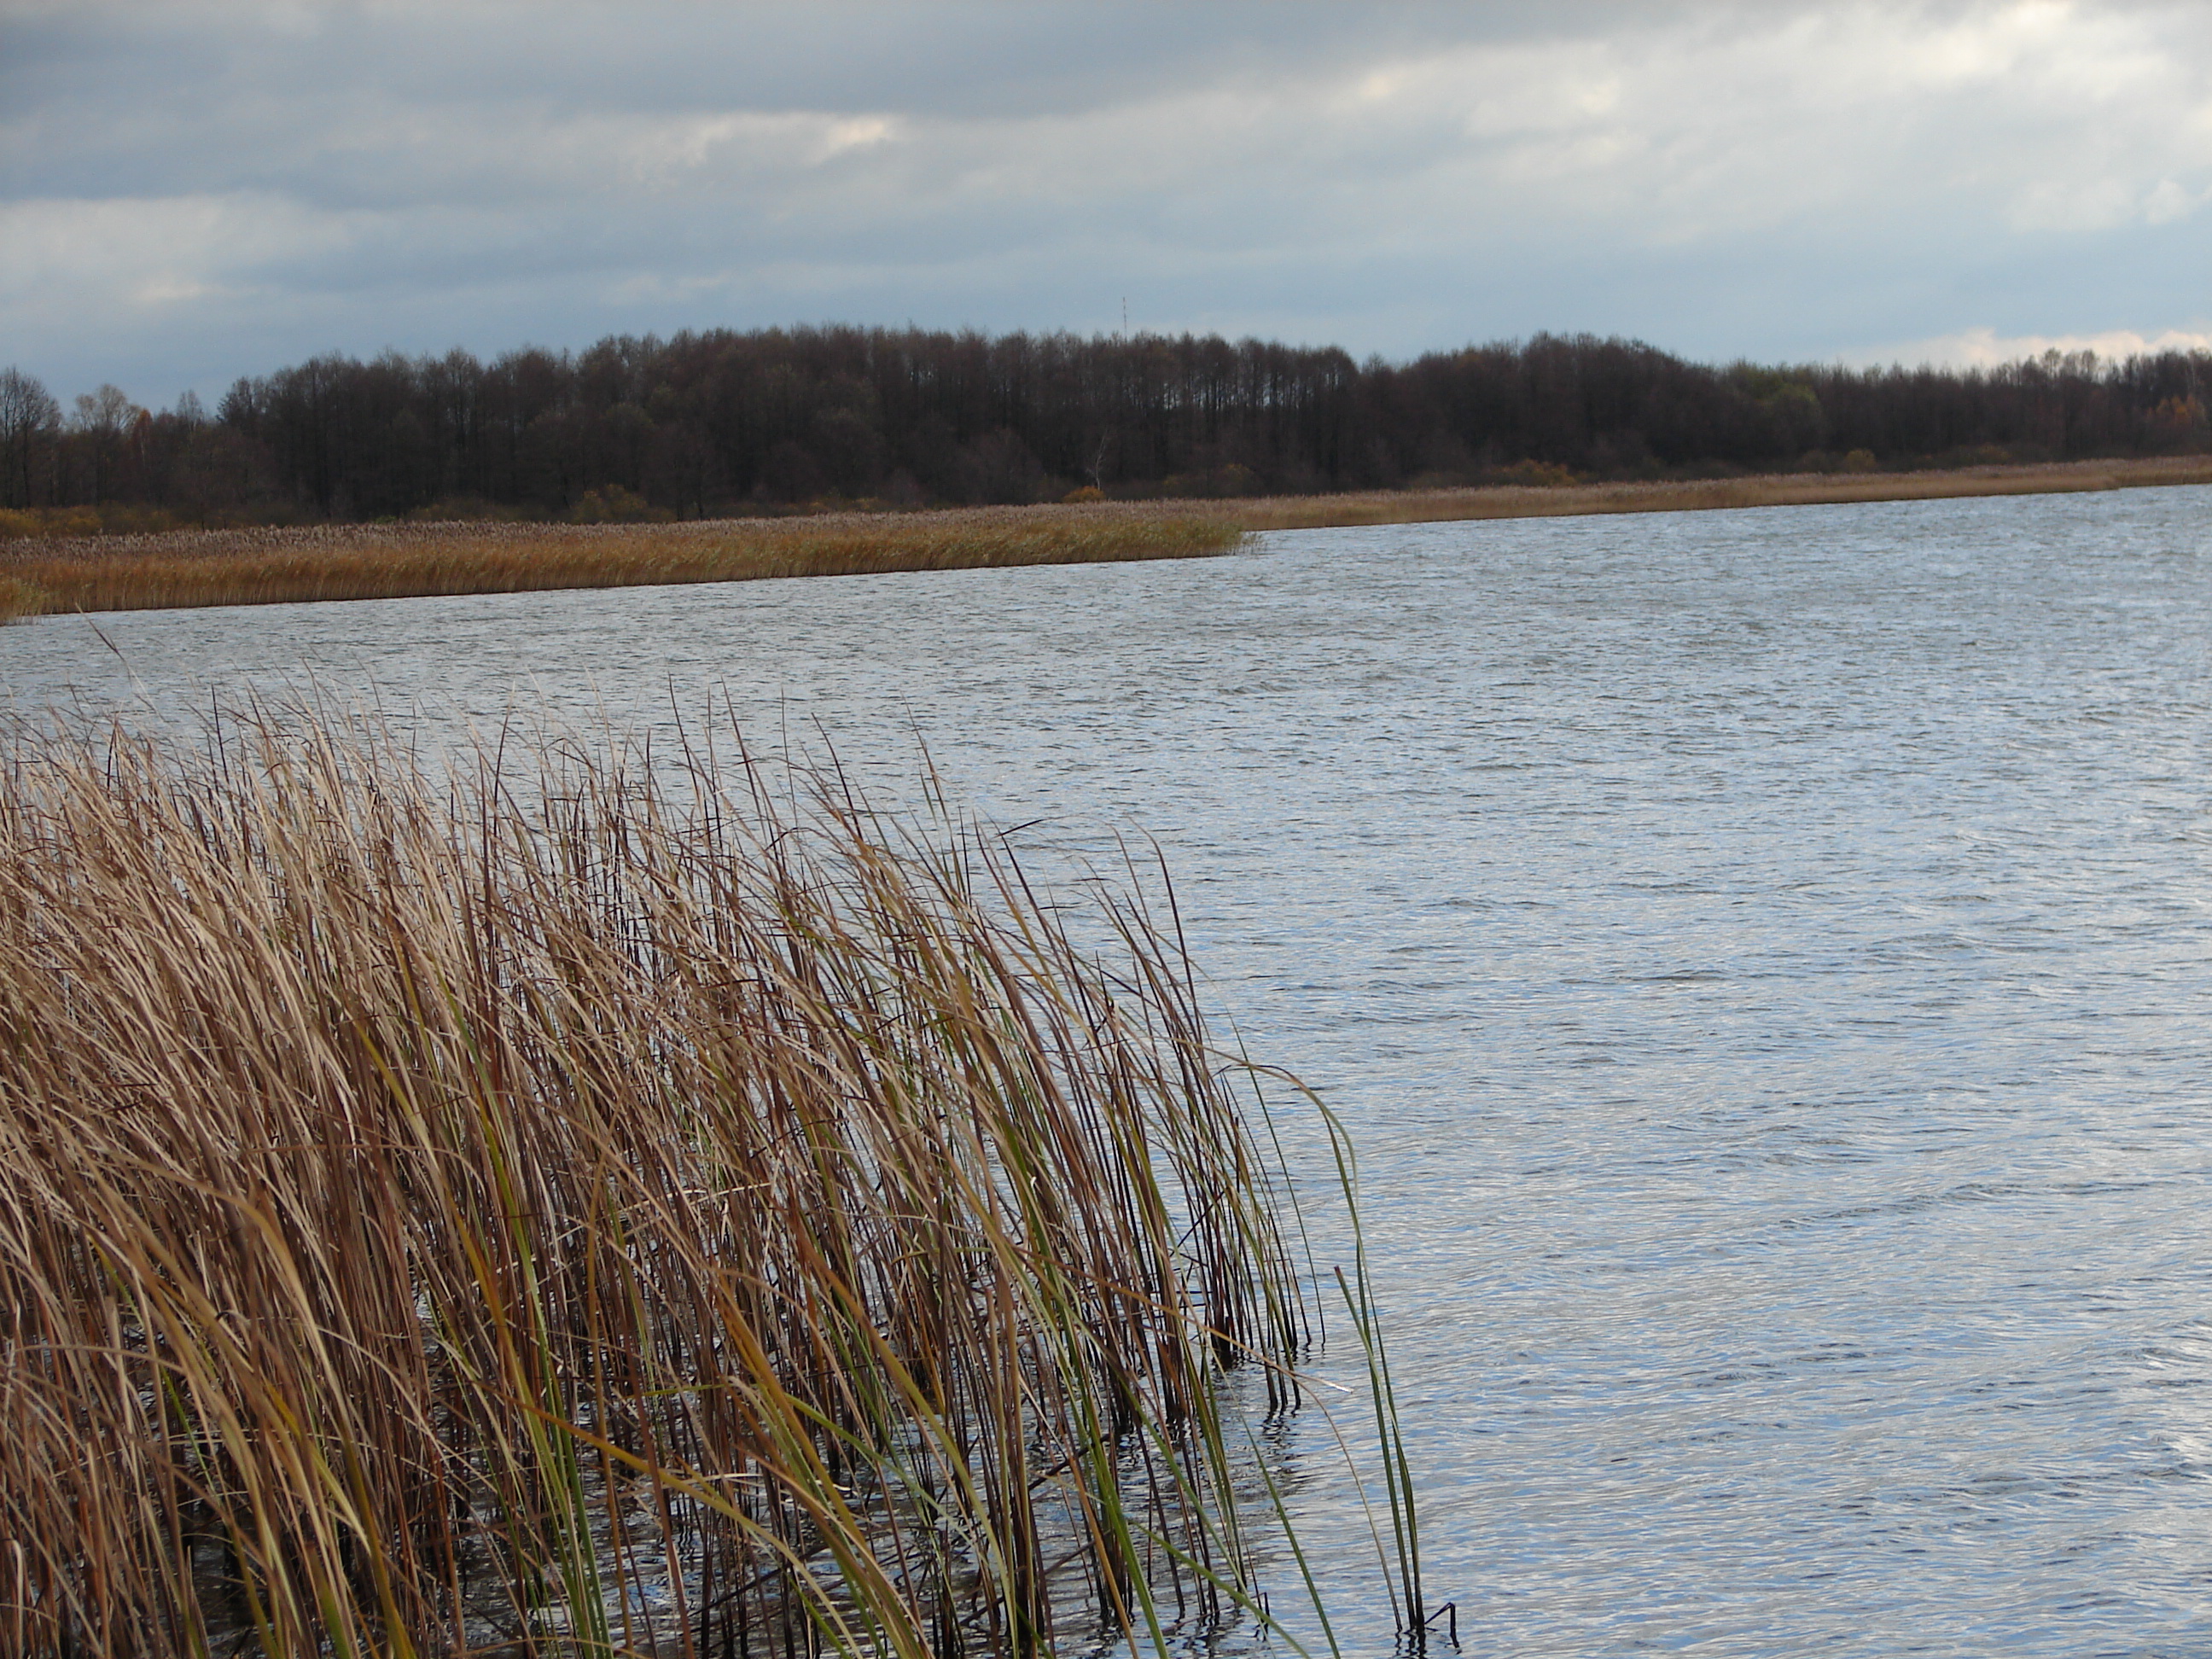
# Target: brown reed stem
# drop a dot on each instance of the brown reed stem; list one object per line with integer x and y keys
{"x": 522, "y": 1215}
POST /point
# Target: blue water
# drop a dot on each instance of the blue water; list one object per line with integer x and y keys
{"x": 1761, "y": 957}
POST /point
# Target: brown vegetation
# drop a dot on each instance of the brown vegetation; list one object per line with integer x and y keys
{"x": 530, "y": 1216}
{"x": 364, "y": 561}
{"x": 1568, "y": 498}
{"x": 91, "y": 572}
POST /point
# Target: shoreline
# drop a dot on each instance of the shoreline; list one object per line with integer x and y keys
{"x": 1472, "y": 503}
{"x": 196, "y": 568}
{"x": 192, "y": 569}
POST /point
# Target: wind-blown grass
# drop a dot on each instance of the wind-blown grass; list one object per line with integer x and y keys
{"x": 380, "y": 561}
{"x": 555, "y": 1213}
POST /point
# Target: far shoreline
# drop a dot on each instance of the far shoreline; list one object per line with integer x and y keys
{"x": 189, "y": 568}
{"x": 1473, "y": 503}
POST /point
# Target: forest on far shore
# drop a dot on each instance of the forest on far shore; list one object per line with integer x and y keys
{"x": 719, "y": 423}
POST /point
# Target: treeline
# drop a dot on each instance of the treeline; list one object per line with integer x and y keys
{"x": 715, "y": 422}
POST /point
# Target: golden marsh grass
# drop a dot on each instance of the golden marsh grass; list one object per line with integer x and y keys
{"x": 559, "y": 1213}
{"x": 48, "y": 574}
{"x": 1704, "y": 495}
{"x": 372, "y": 561}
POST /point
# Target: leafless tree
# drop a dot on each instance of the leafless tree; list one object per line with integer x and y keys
{"x": 30, "y": 420}
{"x": 103, "y": 421}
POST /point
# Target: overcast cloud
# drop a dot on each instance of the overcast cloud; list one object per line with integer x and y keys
{"x": 191, "y": 190}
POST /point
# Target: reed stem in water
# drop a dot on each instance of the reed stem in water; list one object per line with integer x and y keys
{"x": 567, "y": 1211}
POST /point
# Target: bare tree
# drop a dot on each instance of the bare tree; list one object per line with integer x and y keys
{"x": 103, "y": 421}
{"x": 30, "y": 420}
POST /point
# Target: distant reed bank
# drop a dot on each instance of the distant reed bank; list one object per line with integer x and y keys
{"x": 546, "y": 1211}
{"x": 1566, "y": 497}
{"x": 49, "y": 575}
{"x": 378, "y": 562}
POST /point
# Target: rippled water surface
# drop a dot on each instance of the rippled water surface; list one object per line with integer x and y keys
{"x": 1762, "y": 958}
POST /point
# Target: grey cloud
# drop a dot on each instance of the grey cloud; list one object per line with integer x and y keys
{"x": 195, "y": 184}
{"x": 356, "y": 102}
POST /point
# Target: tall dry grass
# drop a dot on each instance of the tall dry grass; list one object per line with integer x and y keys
{"x": 49, "y": 573}
{"x": 556, "y": 1212}
{"x": 1567, "y": 499}
{"x": 374, "y": 562}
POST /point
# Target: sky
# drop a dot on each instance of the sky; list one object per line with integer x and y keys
{"x": 195, "y": 190}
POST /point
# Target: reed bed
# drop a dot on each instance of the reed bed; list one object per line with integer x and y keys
{"x": 1575, "y": 500}
{"x": 382, "y": 561}
{"x": 535, "y": 1209}
{"x": 41, "y": 575}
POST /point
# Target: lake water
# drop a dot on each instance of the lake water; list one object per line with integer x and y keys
{"x": 1762, "y": 958}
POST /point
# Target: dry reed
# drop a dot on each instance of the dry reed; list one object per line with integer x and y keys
{"x": 374, "y": 562}
{"x": 175, "y": 568}
{"x": 557, "y": 1212}
{"x": 1378, "y": 506}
